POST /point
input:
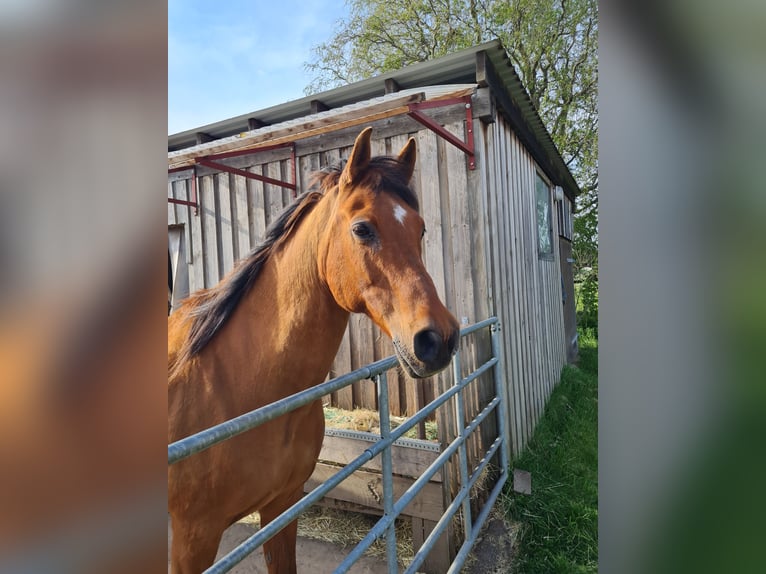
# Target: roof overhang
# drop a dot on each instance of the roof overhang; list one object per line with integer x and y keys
{"x": 485, "y": 65}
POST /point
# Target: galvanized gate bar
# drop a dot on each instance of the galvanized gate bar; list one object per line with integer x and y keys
{"x": 409, "y": 495}
{"x": 250, "y": 544}
{"x": 459, "y": 560}
{"x": 388, "y": 471}
{"x": 385, "y": 527}
{"x": 500, "y": 391}
{"x": 477, "y": 326}
{"x": 462, "y": 454}
{"x": 205, "y": 439}
{"x": 452, "y": 509}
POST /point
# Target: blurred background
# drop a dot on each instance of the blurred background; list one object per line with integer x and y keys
{"x": 682, "y": 314}
{"x": 82, "y": 302}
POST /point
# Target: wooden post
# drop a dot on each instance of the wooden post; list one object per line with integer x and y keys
{"x": 202, "y": 137}
{"x": 391, "y": 86}
{"x": 440, "y": 558}
{"x": 318, "y": 106}
{"x": 254, "y": 124}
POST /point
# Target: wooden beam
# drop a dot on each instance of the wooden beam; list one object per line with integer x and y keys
{"x": 441, "y": 555}
{"x": 407, "y": 461}
{"x": 484, "y": 106}
{"x": 366, "y": 488}
{"x": 255, "y": 123}
{"x": 299, "y": 130}
{"x": 318, "y": 106}
{"x": 202, "y": 137}
{"x": 391, "y": 86}
{"x": 482, "y": 61}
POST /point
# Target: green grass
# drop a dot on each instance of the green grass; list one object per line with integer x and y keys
{"x": 559, "y": 520}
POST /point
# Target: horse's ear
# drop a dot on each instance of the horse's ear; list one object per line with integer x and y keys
{"x": 407, "y": 158}
{"x": 359, "y": 159}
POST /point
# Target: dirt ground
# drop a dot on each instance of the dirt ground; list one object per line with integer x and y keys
{"x": 492, "y": 554}
{"x": 495, "y": 549}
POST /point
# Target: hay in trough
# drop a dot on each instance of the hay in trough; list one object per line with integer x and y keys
{"x": 365, "y": 420}
{"x": 346, "y": 528}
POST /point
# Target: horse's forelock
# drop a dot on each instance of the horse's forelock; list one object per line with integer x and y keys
{"x": 383, "y": 174}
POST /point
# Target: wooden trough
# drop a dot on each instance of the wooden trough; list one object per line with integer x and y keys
{"x": 363, "y": 491}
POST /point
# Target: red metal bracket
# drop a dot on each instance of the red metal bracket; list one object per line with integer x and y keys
{"x": 465, "y": 146}
{"x": 209, "y": 161}
{"x": 243, "y": 173}
{"x": 193, "y": 203}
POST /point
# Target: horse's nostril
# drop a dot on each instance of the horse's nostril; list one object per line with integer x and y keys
{"x": 427, "y": 345}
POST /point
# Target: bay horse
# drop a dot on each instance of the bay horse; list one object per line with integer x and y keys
{"x": 272, "y": 328}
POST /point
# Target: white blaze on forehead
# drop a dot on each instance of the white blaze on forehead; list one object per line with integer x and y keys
{"x": 399, "y": 213}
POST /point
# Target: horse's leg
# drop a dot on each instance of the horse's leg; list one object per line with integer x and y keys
{"x": 279, "y": 552}
{"x": 194, "y": 545}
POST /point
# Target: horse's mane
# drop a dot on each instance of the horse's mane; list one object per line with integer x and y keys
{"x": 209, "y": 309}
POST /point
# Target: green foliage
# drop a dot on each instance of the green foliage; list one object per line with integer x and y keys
{"x": 552, "y": 44}
{"x": 587, "y": 312}
{"x": 559, "y": 531}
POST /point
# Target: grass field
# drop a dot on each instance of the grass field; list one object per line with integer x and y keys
{"x": 559, "y": 520}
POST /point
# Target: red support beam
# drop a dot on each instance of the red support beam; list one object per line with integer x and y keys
{"x": 193, "y": 202}
{"x": 242, "y": 172}
{"x": 465, "y": 146}
{"x": 182, "y": 201}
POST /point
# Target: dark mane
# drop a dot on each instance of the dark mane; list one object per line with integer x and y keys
{"x": 209, "y": 309}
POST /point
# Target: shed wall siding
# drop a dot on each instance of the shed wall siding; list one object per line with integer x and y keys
{"x": 525, "y": 289}
{"x": 480, "y": 248}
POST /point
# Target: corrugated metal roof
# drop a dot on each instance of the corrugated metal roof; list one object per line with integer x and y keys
{"x": 456, "y": 68}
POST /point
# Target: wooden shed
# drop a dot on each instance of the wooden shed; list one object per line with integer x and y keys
{"x": 496, "y": 196}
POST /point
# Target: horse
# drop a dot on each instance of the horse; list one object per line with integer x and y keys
{"x": 272, "y": 328}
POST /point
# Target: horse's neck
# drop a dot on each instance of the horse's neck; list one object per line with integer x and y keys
{"x": 292, "y": 314}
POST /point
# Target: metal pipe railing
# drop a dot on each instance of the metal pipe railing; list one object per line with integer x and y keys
{"x": 205, "y": 439}
{"x": 388, "y": 471}
{"x": 385, "y": 527}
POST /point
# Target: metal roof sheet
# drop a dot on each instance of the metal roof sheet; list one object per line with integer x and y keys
{"x": 456, "y": 68}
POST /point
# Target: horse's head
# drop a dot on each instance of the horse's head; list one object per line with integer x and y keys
{"x": 372, "y": 258}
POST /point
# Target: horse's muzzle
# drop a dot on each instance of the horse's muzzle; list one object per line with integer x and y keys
{"x": 432, "y": 352}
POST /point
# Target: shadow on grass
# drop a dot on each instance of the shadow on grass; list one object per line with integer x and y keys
{"x": 560, "y": 518}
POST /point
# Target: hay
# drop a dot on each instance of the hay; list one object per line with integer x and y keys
{"x": 346, "y": 528}
{"x": 365, "y": 420}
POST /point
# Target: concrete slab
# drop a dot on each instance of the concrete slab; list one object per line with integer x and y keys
{"x": 522, "y": 481}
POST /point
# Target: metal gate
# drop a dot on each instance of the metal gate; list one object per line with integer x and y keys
{"x": 385, "y": 527}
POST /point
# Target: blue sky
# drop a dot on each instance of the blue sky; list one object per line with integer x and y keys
{"x": 228, "y": 58}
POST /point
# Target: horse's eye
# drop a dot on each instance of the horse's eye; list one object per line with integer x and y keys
{"x": 423, "y": 233}
{"x": 362, "y": 231}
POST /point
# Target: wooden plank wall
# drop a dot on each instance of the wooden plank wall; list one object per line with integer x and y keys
{"x": 480, "y": 248}
{"x": 233, "y": 216}
{"x": 525, "y": 289}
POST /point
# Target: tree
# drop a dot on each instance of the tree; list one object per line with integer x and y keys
{"x": 552, "y": 44}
